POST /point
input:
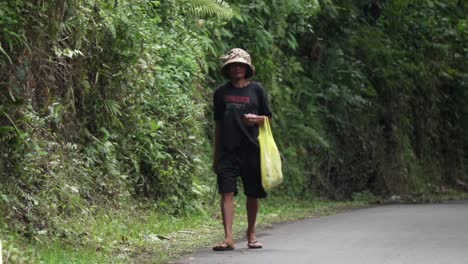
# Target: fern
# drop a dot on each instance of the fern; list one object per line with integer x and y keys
{"x": 25, "y": 200}
{"x": 112, "y": 109}
{"x": 210, "y": 8}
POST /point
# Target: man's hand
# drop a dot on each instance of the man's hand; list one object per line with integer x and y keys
{"x": 252, "y": 119}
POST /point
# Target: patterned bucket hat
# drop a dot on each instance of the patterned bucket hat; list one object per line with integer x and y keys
{"x": 237, "y": 55}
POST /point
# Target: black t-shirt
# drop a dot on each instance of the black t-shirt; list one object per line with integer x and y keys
{"x": 230, "y": 105}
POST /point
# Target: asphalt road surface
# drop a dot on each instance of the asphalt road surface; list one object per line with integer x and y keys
{"x": 394, "y": 234}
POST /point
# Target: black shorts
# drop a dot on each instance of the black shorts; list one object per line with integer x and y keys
{"x": 243, "y": 162}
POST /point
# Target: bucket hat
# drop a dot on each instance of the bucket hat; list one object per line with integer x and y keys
{"x": 237, "y": 55}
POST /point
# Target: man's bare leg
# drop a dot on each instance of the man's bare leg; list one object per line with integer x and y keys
{"x": 252, "y": 205}
{"x": 227, "y": 210}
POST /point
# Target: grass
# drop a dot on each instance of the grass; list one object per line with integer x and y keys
{"x": 146, "y": 236}
{"x": 58, "y": 253}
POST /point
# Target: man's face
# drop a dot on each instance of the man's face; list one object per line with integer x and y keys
{"x": 237, "y": 71}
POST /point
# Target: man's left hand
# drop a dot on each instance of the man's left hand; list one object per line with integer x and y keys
{"x": 252, "y": 119}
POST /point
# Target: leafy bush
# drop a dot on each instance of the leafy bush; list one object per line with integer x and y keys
{"x": 107, "y": 107}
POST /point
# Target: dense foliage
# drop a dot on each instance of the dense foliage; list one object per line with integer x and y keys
{"x": 108, "y": 102}
{"x": 363, "y": 90}
{"x": 100, "y": 102}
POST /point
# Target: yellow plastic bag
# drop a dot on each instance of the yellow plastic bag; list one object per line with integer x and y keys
{"x": 270, "y": 159}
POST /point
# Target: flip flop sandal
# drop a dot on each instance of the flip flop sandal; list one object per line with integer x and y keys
{"x": 223, "y": 247}
{"x": 254, "y": 245}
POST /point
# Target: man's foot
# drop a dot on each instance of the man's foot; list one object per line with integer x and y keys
{"x": 252, "y": 241}
{"x": 254, "y": 244}
{"x": 223, "y": 246}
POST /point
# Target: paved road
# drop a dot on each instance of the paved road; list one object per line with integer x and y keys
{"x": 395, "y": 234}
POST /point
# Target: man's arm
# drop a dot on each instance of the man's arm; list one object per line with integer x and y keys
{"x": 217, "y": 144}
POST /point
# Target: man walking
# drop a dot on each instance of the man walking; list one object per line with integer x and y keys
{"x": 240, "y": 106}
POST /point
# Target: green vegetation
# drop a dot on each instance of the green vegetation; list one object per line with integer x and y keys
{"x": 105, "y": 111}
